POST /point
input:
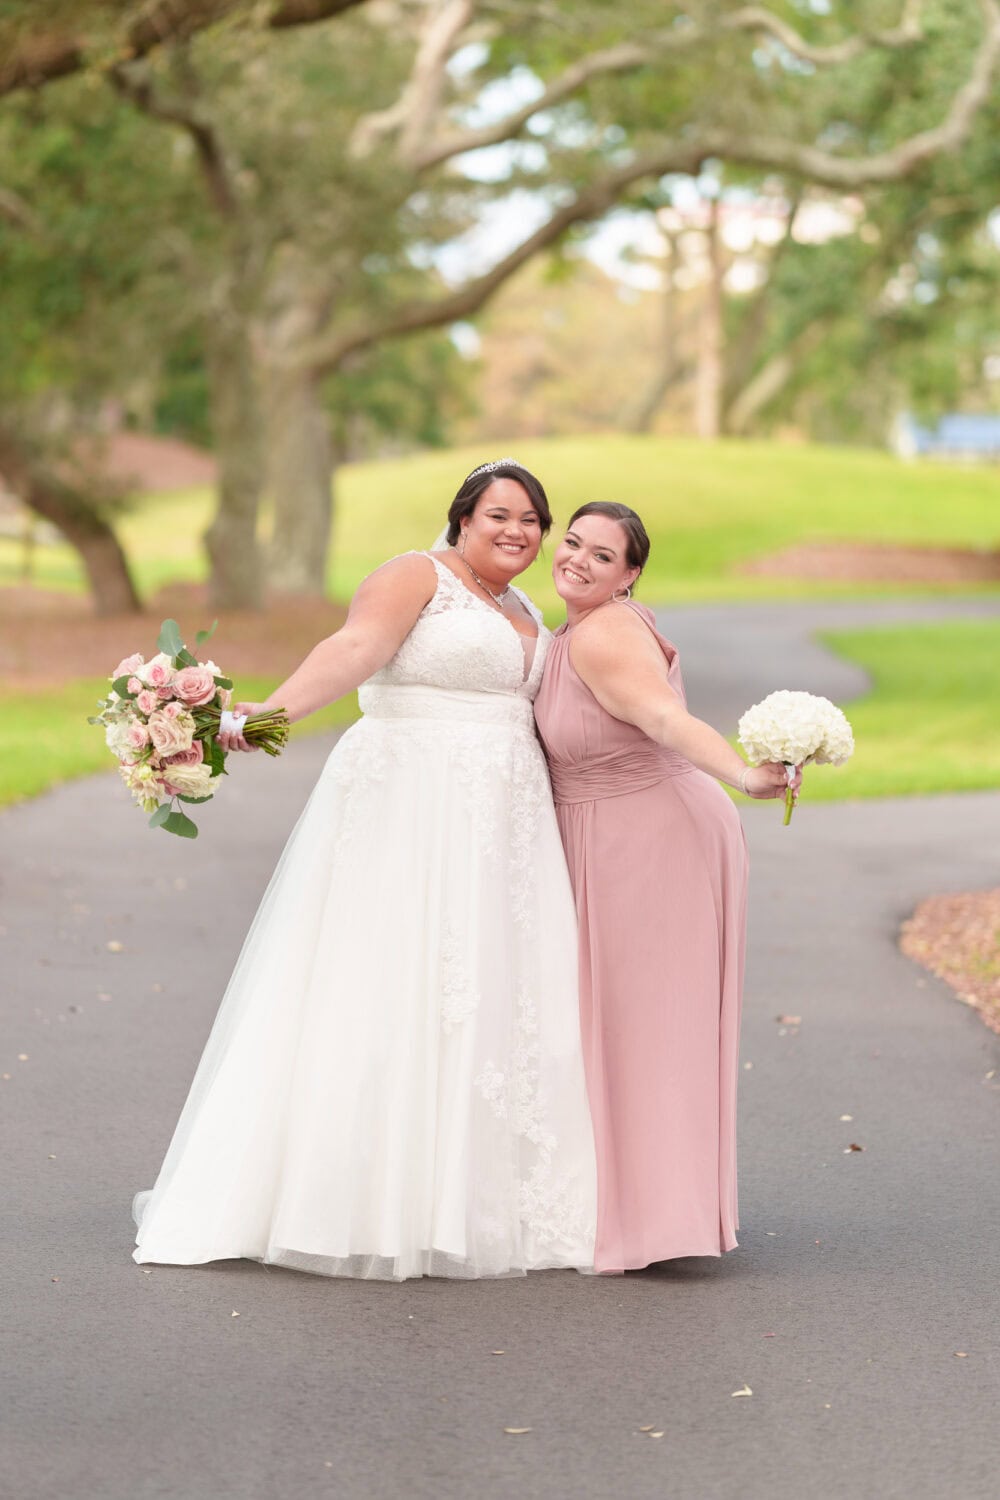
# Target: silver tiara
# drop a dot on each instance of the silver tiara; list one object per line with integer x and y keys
{"x": 494, "y": 463}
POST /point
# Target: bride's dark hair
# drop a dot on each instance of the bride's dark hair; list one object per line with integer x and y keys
{"x": 479, "y": 481}
{"x": 636, "y": 540}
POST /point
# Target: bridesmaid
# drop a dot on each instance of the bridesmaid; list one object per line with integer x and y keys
{"x": 659, "y": 868}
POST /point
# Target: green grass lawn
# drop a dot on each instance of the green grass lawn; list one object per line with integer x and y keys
{"x": 707, "y": 508}
{"x": 932, "y": 720}
{"x": 930, "y": 724}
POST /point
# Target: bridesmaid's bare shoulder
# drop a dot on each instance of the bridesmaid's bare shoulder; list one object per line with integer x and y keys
{"x": 611, "y": 638}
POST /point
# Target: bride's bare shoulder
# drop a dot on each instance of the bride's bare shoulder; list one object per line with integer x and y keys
{"x": 407, "y": 580}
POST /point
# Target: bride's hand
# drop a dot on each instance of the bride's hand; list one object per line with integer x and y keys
{"x": 236, "y": 741}
{"x": 771, "y": 780}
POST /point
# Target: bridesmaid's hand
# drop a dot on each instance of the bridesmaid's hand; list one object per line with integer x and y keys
{"x": 771, "y": 780}
{"x": 236, "y": 741}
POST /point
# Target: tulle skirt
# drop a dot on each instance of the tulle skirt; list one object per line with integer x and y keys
{"x": 394, "y": 1084}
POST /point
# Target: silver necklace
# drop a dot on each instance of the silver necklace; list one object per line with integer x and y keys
{"x": 497, "y": 598}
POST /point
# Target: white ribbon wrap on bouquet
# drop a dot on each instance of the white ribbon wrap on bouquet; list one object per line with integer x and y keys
{"x": 231, "y": 723}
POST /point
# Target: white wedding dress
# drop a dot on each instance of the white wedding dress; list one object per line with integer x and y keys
{"x": 394, "y": 1084}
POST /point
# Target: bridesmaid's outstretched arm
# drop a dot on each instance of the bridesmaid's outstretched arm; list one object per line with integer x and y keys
{"x": 619, "y": 659}
{"x": 383, "y": 612}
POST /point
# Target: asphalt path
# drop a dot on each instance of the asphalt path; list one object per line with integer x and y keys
{"x": 861, "y": 1277}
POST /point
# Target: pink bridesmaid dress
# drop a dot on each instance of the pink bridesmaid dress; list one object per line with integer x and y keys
{"x": 658, "y": 863}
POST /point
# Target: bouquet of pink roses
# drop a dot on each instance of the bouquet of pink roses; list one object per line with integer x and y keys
{"x": 161, "y": 720}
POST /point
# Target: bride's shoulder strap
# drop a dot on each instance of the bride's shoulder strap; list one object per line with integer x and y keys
{"x": 529, "y": 605}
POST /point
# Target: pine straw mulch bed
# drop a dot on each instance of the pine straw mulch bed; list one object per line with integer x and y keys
{"x": 874, "y": 562}
{"x": 48, "y": 638}
{"x": 958, "y": 939}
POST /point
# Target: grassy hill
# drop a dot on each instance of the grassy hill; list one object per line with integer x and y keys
{"x": 707, "y": 508}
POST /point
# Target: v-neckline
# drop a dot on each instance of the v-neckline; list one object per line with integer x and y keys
{"x": 528, "y": 667}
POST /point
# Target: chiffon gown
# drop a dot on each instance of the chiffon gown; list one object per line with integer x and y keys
{"x": 659, "y": 869}
{"x": 394, "y": 1085}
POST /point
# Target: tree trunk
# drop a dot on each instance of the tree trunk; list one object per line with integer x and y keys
{"x": 709, "y": 375}
{"x": 300, "y": 480}
{"x": 76, "y": 516}
{"x": 672, "y": 368}
{"x": 231, "y": 539}
{"x": 772, "y": 377}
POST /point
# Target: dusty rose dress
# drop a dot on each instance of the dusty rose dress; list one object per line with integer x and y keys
{"x": 659, "y": 868}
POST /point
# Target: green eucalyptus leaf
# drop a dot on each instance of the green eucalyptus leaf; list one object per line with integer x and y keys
{"x": 160, "y": 816}
{"x": 169, "y": 640}
{"x": 205, "y": 635}
{"x": 178, "y": 823}
{"x": 223, "y": 682}
{"x": 120, "y": 686}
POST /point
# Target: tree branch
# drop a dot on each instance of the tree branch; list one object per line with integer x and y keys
{"x": 135, "y": 83}
{"x": 41, "y": 59}
{"x": 686, "y": 156}
{"x": 628, "y": 56}
{"x": 413, "y": 112}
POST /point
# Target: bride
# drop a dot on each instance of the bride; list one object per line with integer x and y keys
{"x": 394, "y": 1084}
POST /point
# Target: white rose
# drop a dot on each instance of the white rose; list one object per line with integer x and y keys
{"x": 116, "y": 738}
{"x": 191, "y": 781}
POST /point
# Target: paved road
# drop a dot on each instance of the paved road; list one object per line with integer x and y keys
{"x": 735, "y": 654}
{"x": 858, "y": 1279}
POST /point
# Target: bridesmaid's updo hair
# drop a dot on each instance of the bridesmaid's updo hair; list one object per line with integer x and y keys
{"x": 479, "y": 481}
{"x": 636, "y": 540}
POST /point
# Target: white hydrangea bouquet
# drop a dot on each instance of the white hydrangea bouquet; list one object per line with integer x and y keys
{"x": 161, "y": 720}
{"x": 798, "y": 729}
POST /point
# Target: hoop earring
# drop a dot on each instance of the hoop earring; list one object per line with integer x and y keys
{"x": 627, "y": 595}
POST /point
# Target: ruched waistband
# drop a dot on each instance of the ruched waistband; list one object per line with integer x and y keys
{"x": 616, "y": 774}
{"x": 413, "y": 701}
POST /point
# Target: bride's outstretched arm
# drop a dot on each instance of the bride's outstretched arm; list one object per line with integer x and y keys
{"x": 383, "y": 612}
{"x": 622, "y": 664}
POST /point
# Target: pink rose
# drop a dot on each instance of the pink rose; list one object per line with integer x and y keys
{"x": 127, "y": 666}
{"x": 171, "y": 732}
{"x": 137, "y": 736}
{"x": 158, "y": 673}
{"x": 195, "y": 685}
{"x": 135, "y": 685}
{"x": 193, "y": 756}
{"x": 146, "y": 701}
{"x": 173, "y": 710}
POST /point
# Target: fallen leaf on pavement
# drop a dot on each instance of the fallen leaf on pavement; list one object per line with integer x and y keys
{"x": 517, "y": 1431}
{"x": 745, "y": 1391}
{"x": 234, "y": 1314}
{"x": 852, "y": 1147}
{"x": 498, "y": 1351}
{"x": 789, "y": 1020}
{"x": 22, "y": 1057}
{"x": 656, "y": 1434}
{"x": 960, "y": 1354}
{"x": 844, "y": 1118}
{"x": 114, "y": 946}
{"x": 649, "y": 1428}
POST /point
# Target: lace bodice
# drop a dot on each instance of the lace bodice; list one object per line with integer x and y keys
{"x": 461, "y": 642}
